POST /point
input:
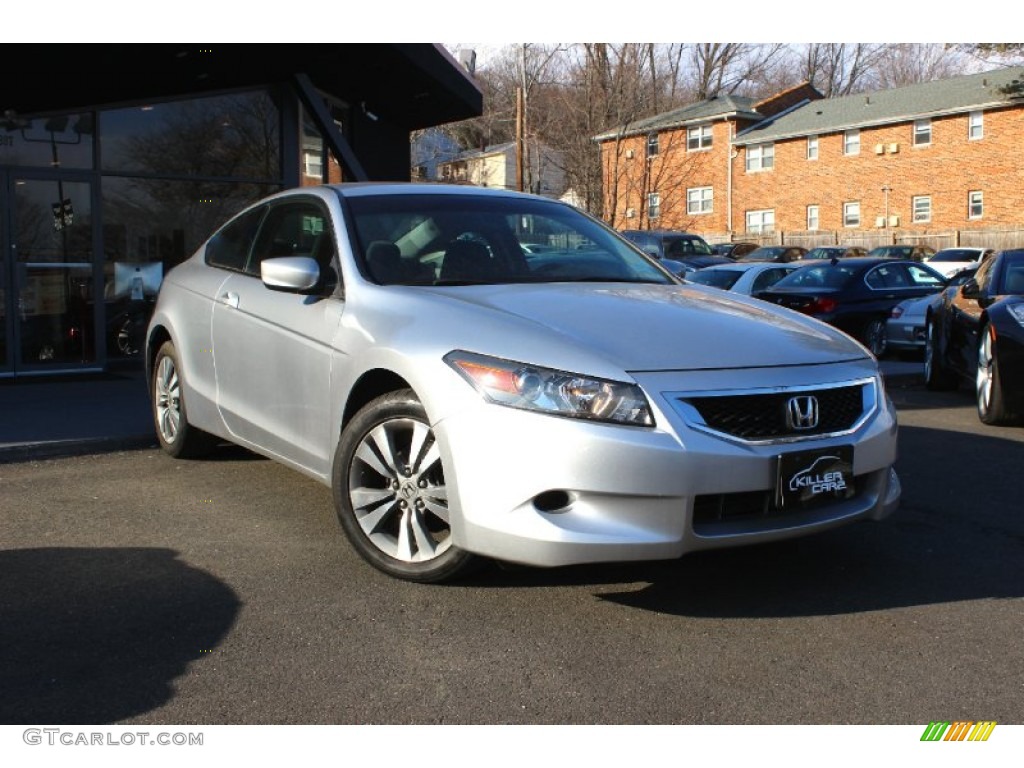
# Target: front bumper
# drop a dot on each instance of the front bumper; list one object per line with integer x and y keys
{"x": 549, "y": 491}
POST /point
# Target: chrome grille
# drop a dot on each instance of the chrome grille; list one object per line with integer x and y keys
{"x": 762, "y": 416}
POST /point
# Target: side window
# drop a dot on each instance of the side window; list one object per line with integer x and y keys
{"x": 293, "y": 229}
{"x": 920, "y": 276}
{"x": 889, "y": 276}
{"x": 229, "y": 248}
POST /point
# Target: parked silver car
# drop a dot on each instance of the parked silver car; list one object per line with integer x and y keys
{"x": 466, "y": 397}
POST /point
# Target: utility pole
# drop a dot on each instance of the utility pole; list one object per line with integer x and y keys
{"x": 521, "y": 121}
{"x": 519, "y": 138}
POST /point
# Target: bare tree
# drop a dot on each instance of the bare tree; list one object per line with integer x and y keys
{"x": 908, "y": 63}
{"x": 839, "y": 69}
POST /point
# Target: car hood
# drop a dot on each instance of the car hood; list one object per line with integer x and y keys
{"x": 661, "y": 327}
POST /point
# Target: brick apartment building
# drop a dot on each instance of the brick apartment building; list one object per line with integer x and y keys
{"x": 933, "y": 162}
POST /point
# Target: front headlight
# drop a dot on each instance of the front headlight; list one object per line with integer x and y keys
{"x": 532, "y": 388}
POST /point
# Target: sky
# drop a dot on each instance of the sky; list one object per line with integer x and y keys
{"x": 497, "y": 24}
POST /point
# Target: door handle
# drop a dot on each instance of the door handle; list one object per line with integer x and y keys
{"x": 230, "y": 298}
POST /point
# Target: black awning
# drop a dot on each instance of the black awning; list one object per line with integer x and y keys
{"x": 412, "y": 85}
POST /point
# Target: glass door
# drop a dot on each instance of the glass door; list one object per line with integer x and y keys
{"x": 49, "y": 290}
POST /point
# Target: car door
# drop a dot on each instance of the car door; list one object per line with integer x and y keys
{"x": 272, "y": 348}
{"x": 964, "y": 315}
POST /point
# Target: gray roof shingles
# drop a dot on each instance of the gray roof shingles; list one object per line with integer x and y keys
{"x": 938, "y": 97}
{"x": 717, "y": 106}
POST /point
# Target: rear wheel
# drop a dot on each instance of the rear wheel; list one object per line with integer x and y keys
{"x": 936, "y": 377}
{"x": 390, "y": 493}
{"x": 177, "y": 437}
{"x": 988, "y": 383}
{"x": 875, "y": 338}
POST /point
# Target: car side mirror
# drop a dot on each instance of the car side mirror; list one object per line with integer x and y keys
{"x": 296, "y": 274}
{"x": 971, "y": 289}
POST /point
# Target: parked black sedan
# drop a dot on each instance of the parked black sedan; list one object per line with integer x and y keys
{"x": 977, "y": 333}
{"x": 855, "y": 295}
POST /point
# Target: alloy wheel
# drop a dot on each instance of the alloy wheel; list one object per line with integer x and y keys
{"x": 397, "y": 491}
{"x": 167, "y": 397}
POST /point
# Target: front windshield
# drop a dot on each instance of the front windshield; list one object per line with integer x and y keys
{"x": 446, "y": 239}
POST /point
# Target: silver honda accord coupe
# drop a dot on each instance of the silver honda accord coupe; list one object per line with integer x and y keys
{"x": 484, "y": 374}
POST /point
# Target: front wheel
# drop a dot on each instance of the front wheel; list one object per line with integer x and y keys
{"x": 988, "y": 383}
{"x": 390, "y": 493}
{"x": 936, "y": 377}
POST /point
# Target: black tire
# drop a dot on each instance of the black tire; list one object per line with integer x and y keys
{"x": 392, "y": 504}
{"x": 988, "y": 387}
{"x": 936, "y": 376}
{"x": 170, "y": 418}
{"x": 875, "y": 337}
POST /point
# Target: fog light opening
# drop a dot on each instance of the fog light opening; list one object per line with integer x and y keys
{"x": 552, "y": 501}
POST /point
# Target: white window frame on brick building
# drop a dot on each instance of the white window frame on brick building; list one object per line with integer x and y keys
{"x": 700, "y": 200}
{"x": 313, "y": 165}
{"x": 975, "y": 126}
{"x": 812, "y": 147}
{"x": 699, "y": 138}
{"x": 975, "y": 204}
{"x": 921, "y": 205}
{"x": 760, "y": 157}
{"x": 761, "y": 222}
{"x": 851, "y": 142}
{"x": 813, "y": 218}
{"x": 922, "y": 132}
{"x": 652, "y": 144}
{"x": 851, "y": 213}
{"x": 653, "y": 205}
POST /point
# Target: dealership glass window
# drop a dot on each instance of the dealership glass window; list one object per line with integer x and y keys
{"x": 975, "y": 126}
{"x": 700, "y": 200}
{"x": 813, "y": 221}
{"x": 652, "y": 144}
{"x": 975, "y": 204}
{"x": 812, "y": 147}
{"x": 653, "y": 205}
{"x": 150, "y": 226}
{"x": 230, "y": 136}
{"x": 698, "y": 137}
{"x": 922, "y": 132}
{"x": 922, "y": 208}
{"x": 760, "y": 222}
{"x": 851, "y": 214}
{"x": 63, "y": 141}
{"x": 760, "y": 157}
{"x": 851, "y": 142}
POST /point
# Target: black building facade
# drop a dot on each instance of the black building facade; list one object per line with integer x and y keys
{"x": 116, "y": 162}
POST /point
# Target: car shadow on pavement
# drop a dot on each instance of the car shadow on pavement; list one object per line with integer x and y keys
{"x": 958, "y": 535}
{"x": 94, "y": 636}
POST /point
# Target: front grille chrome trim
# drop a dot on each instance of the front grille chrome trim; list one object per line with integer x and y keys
{"x": 870, "y": 393}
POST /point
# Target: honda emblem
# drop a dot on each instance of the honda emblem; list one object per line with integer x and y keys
{"x": 802, "y": 412}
